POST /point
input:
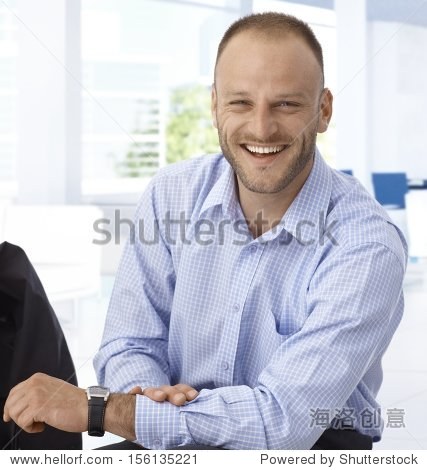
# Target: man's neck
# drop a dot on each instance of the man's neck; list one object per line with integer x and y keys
{"x": 263, "y": 211}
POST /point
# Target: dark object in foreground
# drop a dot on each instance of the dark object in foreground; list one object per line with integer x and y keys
{"x": 31, "y": 340}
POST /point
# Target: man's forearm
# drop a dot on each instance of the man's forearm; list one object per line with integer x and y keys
{"x": 120, "y": 416}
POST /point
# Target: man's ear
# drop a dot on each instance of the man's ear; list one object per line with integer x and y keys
{"x": 325, "y": 111}
{"x": 214, "y": 106}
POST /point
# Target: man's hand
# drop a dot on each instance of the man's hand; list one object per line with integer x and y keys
{"x": 176, "y": 394}
{"x": 41, "y": 400}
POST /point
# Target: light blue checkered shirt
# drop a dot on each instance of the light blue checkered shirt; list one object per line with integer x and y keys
{"x": 282, "y": 335}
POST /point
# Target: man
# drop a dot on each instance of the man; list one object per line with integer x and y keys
{"x": 263, "y": 288}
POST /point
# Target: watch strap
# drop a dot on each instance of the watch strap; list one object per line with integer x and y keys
{"x": 96, "y": 413}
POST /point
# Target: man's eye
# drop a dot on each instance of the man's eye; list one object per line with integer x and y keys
{"x": 239, "y": 102}
{"x": 287, "y": 104}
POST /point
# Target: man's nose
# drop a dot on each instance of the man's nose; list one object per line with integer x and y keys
{"x": 263, "y": 122}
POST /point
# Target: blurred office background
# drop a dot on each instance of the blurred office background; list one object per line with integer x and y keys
{"x": 96, "y": 95}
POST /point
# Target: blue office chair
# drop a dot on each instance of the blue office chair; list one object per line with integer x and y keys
{"x": 390, "y": 189}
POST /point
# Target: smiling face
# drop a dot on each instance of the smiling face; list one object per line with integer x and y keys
{"x": 268, "y": 105}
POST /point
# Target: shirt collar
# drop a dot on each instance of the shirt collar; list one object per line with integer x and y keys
{"x": 305, "y": 215}
{"x": 223, "y": 192}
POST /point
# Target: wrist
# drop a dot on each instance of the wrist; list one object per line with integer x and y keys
{"x": 120, "y": 415}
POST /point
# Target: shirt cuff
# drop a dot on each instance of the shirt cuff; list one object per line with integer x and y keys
{"x": 159, "y": 425}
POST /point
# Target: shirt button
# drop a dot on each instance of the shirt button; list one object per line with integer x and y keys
{"x": 236, "y": 307}
{"x": 224, "y": 365}
{"x": 157, "y": 443}
{"x": 253, "y": 248}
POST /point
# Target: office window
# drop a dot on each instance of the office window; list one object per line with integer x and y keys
{"x": 8, "y": 94}
{"x": 147, "y": 71}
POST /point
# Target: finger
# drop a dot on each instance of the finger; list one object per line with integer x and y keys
{"x": 27, "y": 422}
{"x": 177, "y": 398}
{"x": 20, "y": 415}
{"x": 190, "y": 392}
{"x": 174, "y": 396}
{"x": 136, "y": 391}
{"x": 6, "y": 416}
{"x": 155, "y": 394}
{"x": 14, "y": 406}
{"x": 14, "y": 397}
{"x": 37, "y": 427}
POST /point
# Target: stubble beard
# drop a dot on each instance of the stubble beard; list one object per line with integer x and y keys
{"x": 298, "y": 155}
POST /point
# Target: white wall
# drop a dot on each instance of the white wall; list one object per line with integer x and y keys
{"x": 351, "y": 103}
{"x": 398, "y": 97}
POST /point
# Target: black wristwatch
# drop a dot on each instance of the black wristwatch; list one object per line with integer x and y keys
{"x": 97, "y": 401}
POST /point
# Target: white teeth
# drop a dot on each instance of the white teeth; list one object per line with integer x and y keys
{"x": 257, "y": 149}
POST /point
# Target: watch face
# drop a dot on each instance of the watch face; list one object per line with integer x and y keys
{"x": 98, "y": 391}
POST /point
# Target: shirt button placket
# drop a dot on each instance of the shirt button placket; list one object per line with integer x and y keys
{"x": 225, "y": 365}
